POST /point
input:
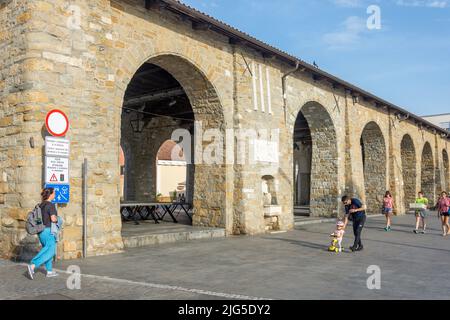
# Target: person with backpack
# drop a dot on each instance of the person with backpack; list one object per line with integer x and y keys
{"x": 46, "y": 237}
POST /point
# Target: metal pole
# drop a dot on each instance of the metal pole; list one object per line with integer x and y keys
{"x": 85, "y": 163}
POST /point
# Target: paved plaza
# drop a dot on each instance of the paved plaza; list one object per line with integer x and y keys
{"x": 292, "y": 265}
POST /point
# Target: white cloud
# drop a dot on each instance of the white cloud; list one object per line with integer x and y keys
{"x": 348, "y": 34}
{"x": 424, "y": 3}
{"x": 348, "y": 3}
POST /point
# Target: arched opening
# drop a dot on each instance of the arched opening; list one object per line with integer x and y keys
{"x": 315, "y": 162}
{"x": 155, "y": 105}
{"x": 427, "y": 172}
{"x": 408, "y": 165}
{"x": 373, "y": 150}
{"x": 171, "y": 172}
{"x": 163, "y": 100}
{"x": 446, "y": 165}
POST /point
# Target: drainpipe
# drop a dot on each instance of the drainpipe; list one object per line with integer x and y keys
{"x": 283, "y": 84}
{"x": 84, "y": 173}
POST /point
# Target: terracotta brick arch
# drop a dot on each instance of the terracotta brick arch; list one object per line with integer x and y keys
{"x": 408, "y": 170}
{"x": 373, "y": 150}
{"x": 427, "y": 180}
{"x": 324, "y": 191}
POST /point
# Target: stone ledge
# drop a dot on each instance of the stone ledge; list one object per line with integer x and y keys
{"x": 162, "y": 238}
{"x": 272, "y": 211}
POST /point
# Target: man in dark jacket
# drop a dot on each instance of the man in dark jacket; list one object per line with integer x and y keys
{"x": 355, "y": 210}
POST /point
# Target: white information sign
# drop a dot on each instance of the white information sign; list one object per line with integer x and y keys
{"x": 265, "y": 151}
{"x": 57, "y": 147}
{"x": 56, "y": 170}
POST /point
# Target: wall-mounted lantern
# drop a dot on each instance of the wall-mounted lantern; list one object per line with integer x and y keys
{"x": 137, "y": 125}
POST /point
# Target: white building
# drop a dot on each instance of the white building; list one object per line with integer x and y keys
{"x": 441, "y": 120}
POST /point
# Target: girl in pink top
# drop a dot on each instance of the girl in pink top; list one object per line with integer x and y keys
{"x": 388, "y": 209}
{"x": 443, "y": 206}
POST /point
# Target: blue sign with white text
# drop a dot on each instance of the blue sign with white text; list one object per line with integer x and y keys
{"x": 62, "y": 192}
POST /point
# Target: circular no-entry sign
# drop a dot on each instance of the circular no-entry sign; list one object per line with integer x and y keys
{"x": 57, "y": 123}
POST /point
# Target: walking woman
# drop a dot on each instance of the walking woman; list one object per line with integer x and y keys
{"x": 46, "y": 237}
{"x": 443, "y": 206}
{"x": 388, "y": 209}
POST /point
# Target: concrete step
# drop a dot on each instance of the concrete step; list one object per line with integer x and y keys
{"x": 301, "y": 211}
{"x": 141, "y": 240}
{"x": 302, "y": 221}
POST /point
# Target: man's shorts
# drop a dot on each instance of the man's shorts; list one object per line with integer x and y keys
{"x": 422, "y": 213}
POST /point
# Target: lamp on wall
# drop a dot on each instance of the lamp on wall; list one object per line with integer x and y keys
{"x": 137, "y": 125}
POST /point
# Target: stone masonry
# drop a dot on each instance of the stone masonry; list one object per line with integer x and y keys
{"x": 79, "y": 56}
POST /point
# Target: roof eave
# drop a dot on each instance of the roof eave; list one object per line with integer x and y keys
{"x": 231, "y": 32}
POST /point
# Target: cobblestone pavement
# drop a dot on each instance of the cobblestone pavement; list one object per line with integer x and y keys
{"x": 293, "y": 265}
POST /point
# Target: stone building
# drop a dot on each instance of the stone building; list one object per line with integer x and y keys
{"x": 129, "y": 72}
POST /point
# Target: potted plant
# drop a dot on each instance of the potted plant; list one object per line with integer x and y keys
{"x": 158, "y": 197}
{"x": 173, "y": 196}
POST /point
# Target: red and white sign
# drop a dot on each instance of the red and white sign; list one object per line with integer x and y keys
{"x": 57, "y": 123}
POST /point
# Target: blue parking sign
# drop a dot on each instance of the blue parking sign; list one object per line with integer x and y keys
{"x": 62, "y": 192}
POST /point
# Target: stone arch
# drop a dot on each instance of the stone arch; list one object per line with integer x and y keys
{"x": 408, "y": 167}
{"x": 427, "y": 172}
{"x": 374, "y": 158}
{"x": 446, "y": 169}
{"x": 322, "y": 138}
{"x": 208, "y": 199}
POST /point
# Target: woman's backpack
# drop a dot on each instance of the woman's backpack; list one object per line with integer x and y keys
{"x": 35, "y": 224}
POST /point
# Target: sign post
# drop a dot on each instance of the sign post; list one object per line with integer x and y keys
{"x": 57, "y": 152}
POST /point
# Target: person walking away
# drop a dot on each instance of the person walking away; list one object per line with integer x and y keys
{"x": 388, "y": 209}
{"x": 46, "y": 237}
{"x": 356, "y": 211}
{"x": 421, "y": 214}
{"x": 443, "y": 206}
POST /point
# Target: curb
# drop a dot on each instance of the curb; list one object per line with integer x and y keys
{"x": 325, "y": 220}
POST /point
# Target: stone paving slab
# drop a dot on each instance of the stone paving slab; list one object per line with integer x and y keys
{"x": 16, "y": 285}
{"x": 293, "y": 265}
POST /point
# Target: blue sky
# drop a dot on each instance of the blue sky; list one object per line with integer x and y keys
{"x": 406, "y": 62}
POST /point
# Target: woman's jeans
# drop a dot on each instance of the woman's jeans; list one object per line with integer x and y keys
{"x": 48, "y": 251}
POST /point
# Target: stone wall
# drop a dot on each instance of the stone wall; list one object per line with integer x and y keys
{"x": 80, "y": 57}
{"x": 375, "y": 166}
{"x": 408, "y": 160}
{"x": 445, "y": 171}
{"x": 17, "y": 95}
{"x": 427, "y": 174}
